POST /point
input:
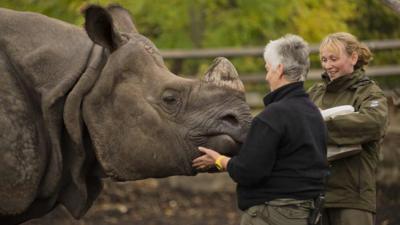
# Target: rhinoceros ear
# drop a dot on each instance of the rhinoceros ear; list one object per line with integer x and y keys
{"x": 100, "y": 28}
{"x": 122, "y": 19}
{"x": 223, "y": 73}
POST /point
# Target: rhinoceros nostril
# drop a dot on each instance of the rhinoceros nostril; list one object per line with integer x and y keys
{"x": 230, "y": 119}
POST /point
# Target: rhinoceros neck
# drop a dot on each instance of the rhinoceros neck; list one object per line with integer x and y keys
{"x": 83, "y": 185}
{"x": 72, "y": 107}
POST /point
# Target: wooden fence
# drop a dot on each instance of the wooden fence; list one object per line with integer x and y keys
{"x": 178, "y": 56}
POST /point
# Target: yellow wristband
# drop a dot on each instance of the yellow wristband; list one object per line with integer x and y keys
{"x": 218, "y": 163}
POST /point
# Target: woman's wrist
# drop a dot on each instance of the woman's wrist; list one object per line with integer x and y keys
{"x": 221, "y": 162}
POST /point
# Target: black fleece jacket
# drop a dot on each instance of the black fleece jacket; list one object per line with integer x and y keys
{"x": 284, "y": 155}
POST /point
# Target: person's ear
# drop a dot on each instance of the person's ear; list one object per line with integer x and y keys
{"x": 354, "y": 58}
{"x": 279, "y": 70}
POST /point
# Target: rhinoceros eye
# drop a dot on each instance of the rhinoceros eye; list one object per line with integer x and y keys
{"x": 171, "y": 101}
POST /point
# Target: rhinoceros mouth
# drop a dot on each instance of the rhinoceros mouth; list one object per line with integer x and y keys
{"x": 224, "y": 144}
{"x": 221, "y": 142}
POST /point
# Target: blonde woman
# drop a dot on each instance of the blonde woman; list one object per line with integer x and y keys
{"x": 351, "y": 186}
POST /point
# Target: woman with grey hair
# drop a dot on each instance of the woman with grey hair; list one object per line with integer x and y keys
{"x": 291, "y": 51}
{"x": 280, "y": 168}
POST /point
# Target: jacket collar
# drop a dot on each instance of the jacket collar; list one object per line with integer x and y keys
{"x": 343, "y": 82}
{"x": 294, "y": 89}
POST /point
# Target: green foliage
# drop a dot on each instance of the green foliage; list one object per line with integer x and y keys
{"x": 314, "y": 19}
{"x": 375, "y": 20}
{"x": 212, "y": 23}
{"x": 67, "y": 10}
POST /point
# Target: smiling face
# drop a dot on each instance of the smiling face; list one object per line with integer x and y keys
{"x": 336, "y": 61}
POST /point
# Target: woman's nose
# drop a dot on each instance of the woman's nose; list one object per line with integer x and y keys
{"x": 327, "y": 65}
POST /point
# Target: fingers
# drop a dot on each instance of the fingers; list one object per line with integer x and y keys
{"x": 204, "y": 150}
{"x": 201, "y": 165}
{"x": 203, "y": 168}
{"x": 206, "y": 161}
{"x": 198, "y": 162}
{"x": 203, "y": 160}
{"x": 212, "y": 153}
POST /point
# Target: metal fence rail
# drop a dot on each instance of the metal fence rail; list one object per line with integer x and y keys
{"x": 178, "y": 56}
{"x": 315, "y": 74}
{"x": 374, "y": 45}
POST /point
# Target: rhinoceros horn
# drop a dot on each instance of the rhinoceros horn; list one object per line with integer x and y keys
{"x": 223, "y": 73}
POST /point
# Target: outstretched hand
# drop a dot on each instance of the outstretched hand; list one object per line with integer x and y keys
{"x": 207, "y": 160}
{"x": 210, "y": 159}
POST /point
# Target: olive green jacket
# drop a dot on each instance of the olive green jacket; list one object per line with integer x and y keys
{"x": 352, "y": 181}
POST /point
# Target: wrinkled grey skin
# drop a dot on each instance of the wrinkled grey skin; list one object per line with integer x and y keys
{"x": 72, "y": 112}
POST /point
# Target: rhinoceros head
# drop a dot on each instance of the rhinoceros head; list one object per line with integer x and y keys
{"x": 145, "y": 121}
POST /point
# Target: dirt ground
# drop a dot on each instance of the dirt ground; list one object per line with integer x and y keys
{"x": 207, "y": 199}
{"x": 171, "y": 201}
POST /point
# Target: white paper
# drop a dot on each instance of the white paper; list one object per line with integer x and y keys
{"x": 336, "y": 111}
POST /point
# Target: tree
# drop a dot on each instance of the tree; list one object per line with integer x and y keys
{"x": 393, "y": 4}
{"x": 182, "y": 24}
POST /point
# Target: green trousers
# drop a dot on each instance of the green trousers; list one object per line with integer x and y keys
{"x": 341, "y": 216}
{"x": 278, "y": 212}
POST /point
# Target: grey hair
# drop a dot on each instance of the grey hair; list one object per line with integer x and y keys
{"x": 292, "y": 52}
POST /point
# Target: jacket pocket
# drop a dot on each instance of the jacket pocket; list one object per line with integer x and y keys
{"x": 353, "y": 165}
{"x": 345, "y": 177}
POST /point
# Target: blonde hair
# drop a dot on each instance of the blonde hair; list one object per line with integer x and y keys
{"x": 351, "y": 44}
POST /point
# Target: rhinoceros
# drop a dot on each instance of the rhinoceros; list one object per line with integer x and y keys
{"x": 78, "y": 105}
